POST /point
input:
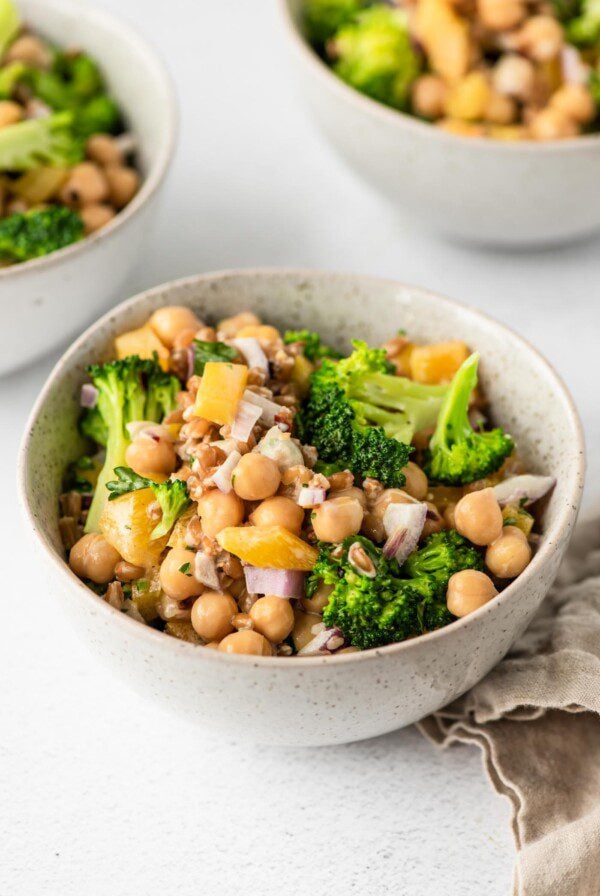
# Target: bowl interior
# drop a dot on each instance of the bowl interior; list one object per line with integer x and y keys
{"x": 526, "y": 395}
{"x": 134, "y": 75}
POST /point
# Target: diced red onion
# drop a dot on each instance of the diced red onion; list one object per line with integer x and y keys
{"x": 252, "y": 351}
{"x": 280, "y": 582}
{"x": 403, "y": 524}
{"x": 88, "y": 396}
{"x": 325, "y": 641}
{"x": 269, "y": 409}
{"x": 205, "y": 571}
{"x": 574, "y": 70}
{"x": 523, "y": 490}
{"x": 35, "y": 108}
{"x": 246, "y": 416}
{"x": 310, "y": 497}
{"x": 222, "y": 478}
{"x": 149, "y": 430}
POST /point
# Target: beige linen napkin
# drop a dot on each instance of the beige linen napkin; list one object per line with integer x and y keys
{"x": 536, "y": 717}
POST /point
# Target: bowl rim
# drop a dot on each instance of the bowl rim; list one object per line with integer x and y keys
{"x": 565, "y": 518}
{"x": 384, "y": 113}
{"x": 158, "y": 171}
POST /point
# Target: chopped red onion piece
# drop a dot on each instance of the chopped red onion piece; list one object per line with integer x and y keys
{"x": 310, "y": 497}
{"x": 574, "y": 70}
{"x": 324, "y": 642}
{"x": 269, "y": 409}
{"x": 246, "y": 416}
{"x": 88, "y": 396}
{"x": 222, "y": 478}
{"x": 403, "y": 524}
{"x": 252, "y": 351}
{"x": 278, "y": 582}
{"x": 523, "y": 490}
{"x": 205, "y": 571}
{"x": 149, "y": 430}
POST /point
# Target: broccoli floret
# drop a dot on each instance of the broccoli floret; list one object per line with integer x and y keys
{"x": 40, "y": 141}
{"x": 566, "y": 9}
{"x": 370, "y": 437}
{"x": 584, "y": 29}
{"x": 374, "y": 54}
{"x": 457, "y": 454}
{"x": 385, "y": 603}
{"x": 129, "y": 389}
{"x": 93, "y": 427}
{"x": 77, "y": 477}
{"x": 10, "y": 23}
{"x": 443, "y": 554}
{"x": 162, "y": 391}
{"x": 322, "y": 18}
{"x": 38, "y": 232}
{"x": 312, "y": 346}
{"x": 171, "y": 495}
{"x": 100, "y": 115}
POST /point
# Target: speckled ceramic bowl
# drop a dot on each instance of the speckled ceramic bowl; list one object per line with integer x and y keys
{"x": 46, "y": 301}
{"x": 331, "y": 699}
{"x": 490, "y": 192}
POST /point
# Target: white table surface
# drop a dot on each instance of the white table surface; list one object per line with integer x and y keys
{"x": 102, "y": 793}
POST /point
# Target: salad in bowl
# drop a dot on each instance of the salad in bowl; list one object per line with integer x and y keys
{"x": 251, "y": 489}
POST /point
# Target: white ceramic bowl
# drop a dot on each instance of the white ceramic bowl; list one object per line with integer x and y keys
{"x": 476, "y": 190}
{"x": 45, "y": 301}
{"x": 331, "y": 699}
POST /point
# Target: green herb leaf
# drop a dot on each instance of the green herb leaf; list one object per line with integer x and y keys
{"x": 186, "y": 569}
{"x": 211, "y": 351}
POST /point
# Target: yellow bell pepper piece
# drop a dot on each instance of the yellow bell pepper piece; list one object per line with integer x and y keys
{"x": 220, "y": 391}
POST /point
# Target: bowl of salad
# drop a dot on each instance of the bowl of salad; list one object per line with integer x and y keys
{"x": 86, "y": 137}
{"x": 306, "y": 506}
{"x": 479, "y": 118}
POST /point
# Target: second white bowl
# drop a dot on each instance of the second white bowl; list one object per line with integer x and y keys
{"x": 472, "y": 189}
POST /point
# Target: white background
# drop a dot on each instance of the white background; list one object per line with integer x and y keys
{"x": 101, "y": 793}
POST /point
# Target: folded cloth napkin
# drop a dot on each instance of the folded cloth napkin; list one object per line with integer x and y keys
{"x": 536, "y": 717}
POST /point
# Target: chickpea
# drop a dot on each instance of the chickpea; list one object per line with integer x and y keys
{"x": 212, "y": 614}
{"x": 86, "y": 185}
{"x": 10, "y": 113}
{"x": 335, "y": 519}
{"x": 347, "y": 650}
{"x": 128, "y": 572}
{"x": 319, "y": 600}
{"x": 500, "y": 109}
{"x": 416, "y": 484}
{"x": 429, "y": 96}
{"x": 514, "y": 76}
{"x": 256, "y": 477}
{"x": 574, "y": 101}
{"x": 30, "y": 50}
{"x": 434, "y": 521}
{"x": 146, "y": 456}
{"x": 373, "y": 521}
{"x": 176, "y": 584}
{"x": 213, "y": 645}
{"x": 167, "y": 322}
{"x": 248, "y": 642}
{"x": 103, "y": 149}
{"x": 478, "y": 517}
{"x": 123, "y": 184}
{"x": 541, "y": 38}
{"x": 273, "y": 617}
{"x": 507, "y": 557}
{"x": 550, "y": 124}
{"x": 92, "y": 557}
{"x": 302, "y": 632}
{"x": 501, "y": 15}
{"x": 96, "y": 216}
{"x": 352, "y": 492}
{"x": 230, "y": 326}
{"x": 278, "y": 511}
{"x": 468, "y": 590}
{"x": 218, "y": 510}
